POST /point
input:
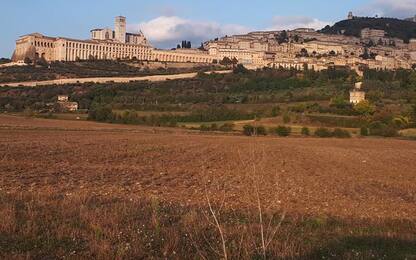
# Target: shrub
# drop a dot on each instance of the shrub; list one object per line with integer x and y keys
{"x": 261, "y": 130}
{"x": 275, "y": 111}
{"x": 323, "y": 132}
{"x": 214, "y": 127}
{"x": 101, "y": 113}
{"x": 283, "y": 131}
{"x": 204, "y": 128}
{"x": 305, "y": 131}
{"x": 364, "y": 131}
{"x": 250, "y": 130}
{"x": 378, "y": 128}
{"x": 340, "y": 133}
{"x": 286, "y": 119}
{"x": 227, "y": 127}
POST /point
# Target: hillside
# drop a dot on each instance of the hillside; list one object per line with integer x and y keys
{"x": 402, "y": 29}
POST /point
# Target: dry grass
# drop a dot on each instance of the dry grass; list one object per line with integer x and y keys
{"x": 91, "y": 190}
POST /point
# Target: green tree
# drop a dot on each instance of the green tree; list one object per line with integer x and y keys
{"x": 364, "y": 131}
{"x": 226, "y": 61}
{"x": 283, "y": 130}
{"x": 413, "y": 114}
{"x": 364, "y": 108}
{"x": 240, "y": 69}
{"x": 27, "y": 60}
{"x": 305, "y": 131}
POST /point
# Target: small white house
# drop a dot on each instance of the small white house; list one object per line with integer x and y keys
{"x": 356, "y": 96}
{"x": 63, "y": 98}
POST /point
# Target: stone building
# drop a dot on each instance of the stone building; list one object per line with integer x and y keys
{"x": 105, "y": 44}
{"x": 372, "y": 34}
{"x": 64, "y": 105}
{"x": 357, "y": 95}
{"x": 288, "y": 49}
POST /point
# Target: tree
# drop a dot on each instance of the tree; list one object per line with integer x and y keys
{"x": 364, "y": 108}
{"x": 234, "y": 61}
{"x": 42, "y": 62}
{"x": 305, "y": 131}
{"x": 296, "y": 38}
{"x": 413, "y": 113}
{"x": 226, "y": 61}
{"x": 283, "y": 131}
{"x": 282, "y": 37}
{"x": 27, "y": 60}
{"x": 364, "y": 131}
{"x": 370, "y": 43}
{"x": 380, "y": 42}
{"x": 304, "y": 52}
{"x": 240, "y": 69}
{"x": 178, "y": 46}
{"x": 365, "y": 55}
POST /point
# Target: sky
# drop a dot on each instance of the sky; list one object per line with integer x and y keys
{"x": 168, "y": 22}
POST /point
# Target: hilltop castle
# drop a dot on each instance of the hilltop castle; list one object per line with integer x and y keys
{"x": 300, "y": 49}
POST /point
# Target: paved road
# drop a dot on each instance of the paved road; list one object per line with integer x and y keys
{"x": 107, "y": 79}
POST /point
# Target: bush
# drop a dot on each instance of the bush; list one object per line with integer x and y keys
{"x": 214, "y": 127}
{"x": 227, "y": 127}
{"x": 364, "y": 131}
{"x": 378, "y": 128}
{"x": 323, "y": 132}
{"x": 101, "y": 113}
{"x": 286, "y": 119}
{"x": 305, "y": 131}
{"x": 340, "y": 133}
{"x": 283, "y": 131}
{"x": 204, "y": 128}
{"x": 250, "y": 130}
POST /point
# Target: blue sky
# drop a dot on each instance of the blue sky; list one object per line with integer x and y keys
{"x": 168, "y": 22}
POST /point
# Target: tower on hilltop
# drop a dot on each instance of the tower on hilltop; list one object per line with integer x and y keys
{"x": 350, "y": 16}
{"x": 120, "y": 29}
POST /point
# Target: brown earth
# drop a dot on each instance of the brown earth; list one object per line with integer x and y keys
{"x": 360, "y": 178}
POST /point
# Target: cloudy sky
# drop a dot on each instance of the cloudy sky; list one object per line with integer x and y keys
{"x": 167, "y": 22}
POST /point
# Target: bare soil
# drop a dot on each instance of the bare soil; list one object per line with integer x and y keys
{"x": 358, "y": 178}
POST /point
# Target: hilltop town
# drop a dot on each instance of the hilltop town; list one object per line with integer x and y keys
{"x": 301, "y": 48}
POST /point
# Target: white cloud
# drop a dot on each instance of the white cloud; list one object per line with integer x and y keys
{"x": 294, "y": 22}
{"x": 167, "y": 31}
{"x": 389, "y": 8}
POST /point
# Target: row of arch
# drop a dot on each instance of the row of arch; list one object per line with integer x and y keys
{"x": 44, "y": 44}
{"x": 181, "y": 58}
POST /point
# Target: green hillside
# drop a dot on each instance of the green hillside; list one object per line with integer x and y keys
{"x": 402, "y": 29}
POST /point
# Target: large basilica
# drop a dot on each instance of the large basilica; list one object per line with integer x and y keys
{"x": 104, "y": 44}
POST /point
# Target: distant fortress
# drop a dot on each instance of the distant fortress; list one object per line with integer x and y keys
{"x": 302, "y": 48}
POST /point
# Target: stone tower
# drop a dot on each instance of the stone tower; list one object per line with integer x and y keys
{"x": 350, "y": 16}
{"x": 120, "y": 29}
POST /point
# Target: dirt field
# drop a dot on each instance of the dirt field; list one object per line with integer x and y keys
{"x": 363, "y": 178}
